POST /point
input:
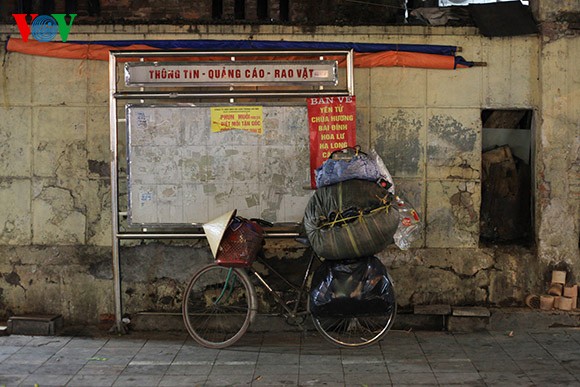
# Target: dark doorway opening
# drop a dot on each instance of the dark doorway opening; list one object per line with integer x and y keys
{"x": 506, "y": 178}
{"x": 262, "y": 10}
{"x": 284, "y": 10}
{"x": 217, "y": 9}
{"x": 239, "y": 9}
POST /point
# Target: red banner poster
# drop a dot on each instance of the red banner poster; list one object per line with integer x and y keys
{"x": 332, "y": 123}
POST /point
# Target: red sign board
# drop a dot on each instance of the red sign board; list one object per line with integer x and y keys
{"x": 332, "y": 123}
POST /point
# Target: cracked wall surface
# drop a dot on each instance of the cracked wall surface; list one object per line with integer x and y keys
{"x": 55, "y": 212}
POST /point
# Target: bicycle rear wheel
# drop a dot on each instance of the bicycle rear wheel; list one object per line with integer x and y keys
{"x": 355, "y": 331}
{"x": 219, "y": 305}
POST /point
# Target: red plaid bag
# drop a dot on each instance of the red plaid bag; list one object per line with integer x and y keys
{"x": 241, "y": 243}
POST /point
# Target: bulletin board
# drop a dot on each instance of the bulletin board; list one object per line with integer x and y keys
{"x": 188, "y": 164}
{"x": 191, "y": 156}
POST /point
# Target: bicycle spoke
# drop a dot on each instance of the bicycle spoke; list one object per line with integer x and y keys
{"x": 356, "y": 331}
{"x": 218, "y": 306}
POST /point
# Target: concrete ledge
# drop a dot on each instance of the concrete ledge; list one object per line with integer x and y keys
{"x": 437, "y": 309}
{"x": 35, "y": 325}
{"x": 419, "y": 322}
{"x": 463, "y": 320}
{"x": 265, "y": 323}
{"x": 471, "y": 311}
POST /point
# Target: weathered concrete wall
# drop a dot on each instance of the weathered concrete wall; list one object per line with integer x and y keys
{"x": 54, "y": 179}
{"x": 558, "y": 138}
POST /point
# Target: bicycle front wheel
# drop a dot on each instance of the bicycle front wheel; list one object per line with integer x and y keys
{"x": 355, "y": 331}
{"x": 219, "y": 305}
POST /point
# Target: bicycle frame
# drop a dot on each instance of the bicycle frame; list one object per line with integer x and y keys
{"x": 290, "y": 312}
{"x": 224, "y": 322}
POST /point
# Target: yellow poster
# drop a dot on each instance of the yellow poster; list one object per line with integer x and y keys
{"x": 237, "y": 117}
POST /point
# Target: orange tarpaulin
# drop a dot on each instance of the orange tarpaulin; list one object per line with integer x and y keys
{"x": 101, "y": 52}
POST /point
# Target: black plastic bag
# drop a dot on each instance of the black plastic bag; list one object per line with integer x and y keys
{"x": 351, "y": 289}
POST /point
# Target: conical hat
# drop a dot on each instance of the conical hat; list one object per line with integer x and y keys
{"x": 215, "y": 229}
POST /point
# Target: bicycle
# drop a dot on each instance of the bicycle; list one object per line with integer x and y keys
{"x": 220, "y": 303}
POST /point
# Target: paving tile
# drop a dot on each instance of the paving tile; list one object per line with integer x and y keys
{"x": 556, "y": 377}
{"x": 188, "y": 369}
{"x": 110, "y": 360}
{"x": 11, "y": 380}
{"x": 360, "y": 379}
{"x": 69, "y": 358}
{"x": 323, "y": 379}
{"x": 289, "y": 379}
{"x": 409, "y": 378}
{"x": 369, "y": 368}
{"x": 187, "y": 356}
{"x": 463, "y": 378}
{"x": 46, "y": 380}
{"x": 456, "y": 355}
{"x": 125, "y": 343}
{"x": 279, "y": 348}
{"x": 529, "y": 354}
{"x": 3, "y": 357}
{"x": 362, "y": 359}
{"x": 494, "y": 365}
{"x": 18, "y": 368}
{"x": 227, "y": 369}
{"x": 90, "y": 380}
{"x": 229, "y": 379}
{"x": 227, "y": 357}
{"x": 549, "y": 365}
{"x": 40, "y": 351}
{"x": 111, "y": 352}
{"x": 8, "y": 349}
{"x": 565, "y": 354}
{"x": 411, "y": 366}
{"x": 193, "y": 362}
{"x": 155, "y": 369}
{"x": 407, "y": 359}
{"x": 15, "y": 340}
{"x": 320, "y": 368}
{"x": 18, "y": 358}
{"x": 139, "y": 360}
{"x": 58, "y": 369}
{"x": 506, "y": 378}
{"x": 193, "y": 347}
{"x": 101, "y": 369}
{"x": 573, "y": 366}
{"x": 393, "y": 355}
{"x": 277, "y": 368}
{"x": 48, "y": 341}
{"x": 182, "y": 380}
{"x": 138, "y": 380}
{"x": 278, "y": 358}
{"x": 320, "y": 359}
{"x": 320, "y": 350}
{"x": 487, "y": 354}
{"x": 452, "y": 365}
{"x": 86, "y": 342}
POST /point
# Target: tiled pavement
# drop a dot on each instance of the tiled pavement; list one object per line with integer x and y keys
{"x": 539, "y": 358}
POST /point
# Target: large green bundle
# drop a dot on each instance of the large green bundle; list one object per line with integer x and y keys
{"x": 351, "y": 219}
